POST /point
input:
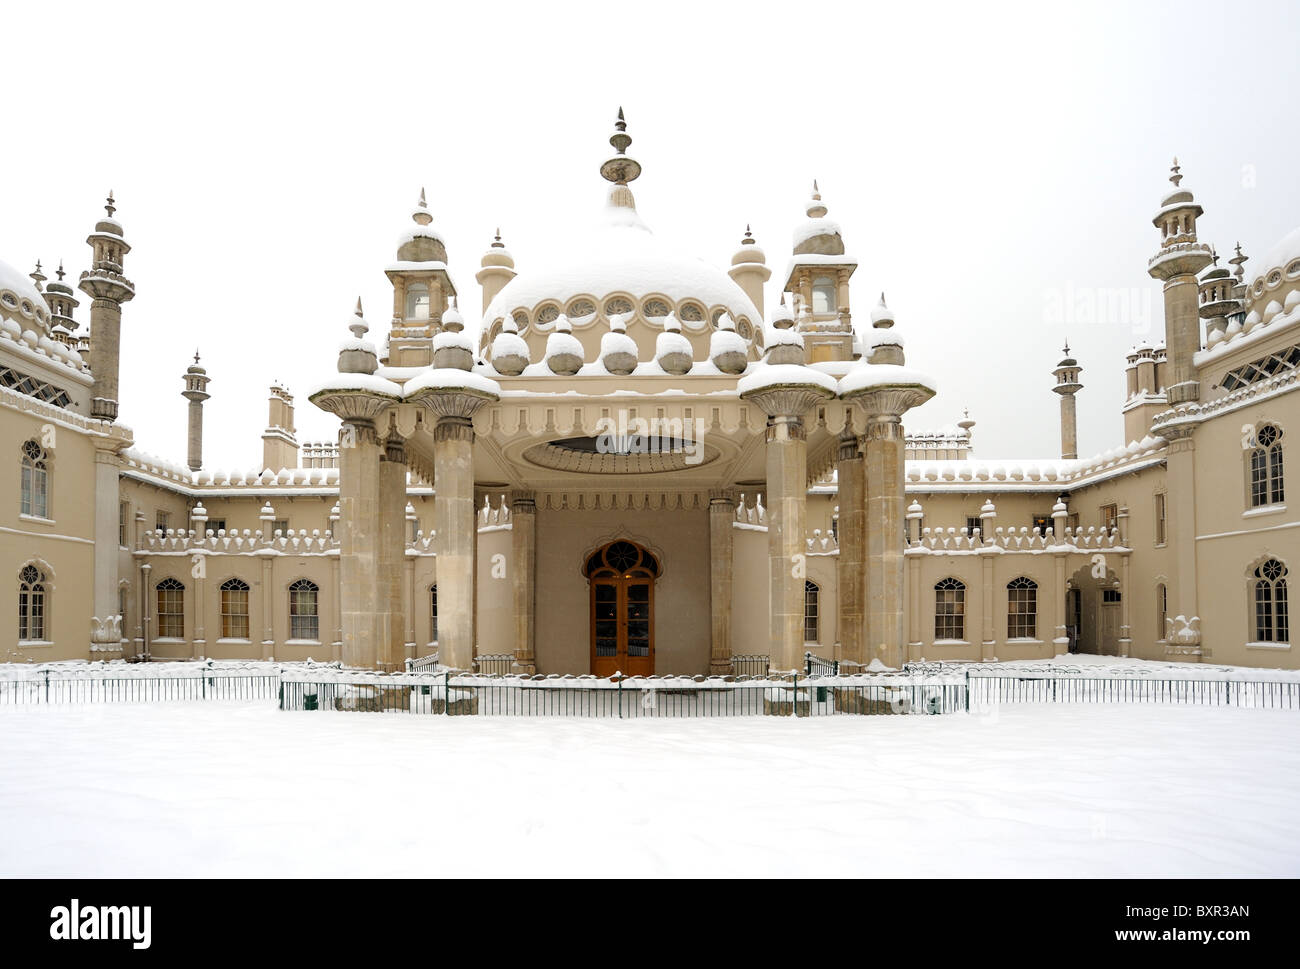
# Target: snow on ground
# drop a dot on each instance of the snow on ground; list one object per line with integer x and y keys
{"x": 242, "y": 788}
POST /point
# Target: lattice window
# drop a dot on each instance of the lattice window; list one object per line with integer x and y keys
{"x": 234, "y": 609}
{"x": 1257, "y": 370}
{"x": 304, "y": 619}
{"x": 32, "y": 605}
{"x": 949, "y": 609}
{"x": 161, "y": 520}
{"x": 1022, "y": 608}
{"x": 973, "y": 522}
{"x": 617, "y": 305}
{"x": 656, "y": 309}
{"x": 1109, "y": 518}
{"x": 1271, "y": 620}
{"x": 32, "y": 387}
{"x": 811, "y": 612}
{"x": 35, "y": 481}
{"x": 171, "y": 609}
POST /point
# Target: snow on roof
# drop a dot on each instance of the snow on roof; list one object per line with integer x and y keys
{"x": 1283, "y": 251}
{"x": 445, "y": 378}
{"x": 21, "y": 285}
{"x": 1029, "y": 471}
{"x": 1237, "y": 340}
{"x": 621, "y": 255}
{"x": 867, "y": 376}
{"x": 813, "y": 228}
{"x": 357, "y": 381}
{"x": 763, "y": 375}
{"x": 818, "y": 259}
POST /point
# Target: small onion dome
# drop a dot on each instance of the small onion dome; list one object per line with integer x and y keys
{"x": 966, "y": 423}
{"x": 617, "y": 349}
{"x": 988, "y": 509}
{"x": 727, "y": 348}
{"x": 357, "y": 355}
{"x": 509, "y": 351}
{"x": 497, "y": 254}
{"x": 563, "y": 349}
{"x": 421, "y": 242}
{"x": 914, "y": 510}
{"x": 819, "y": 235}
{"x": 881, "y": 315}
{"x": 672, "y": 350}
{"x": 748, "y": 251}
{"x": 1068, "y": 361}
{"x": 452, "y": 347}
{"x": 784, "y": 344}
{"x": 1179, "y": 194}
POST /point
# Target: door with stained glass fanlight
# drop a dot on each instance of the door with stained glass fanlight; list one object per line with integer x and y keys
{"x": 622, "y": 577}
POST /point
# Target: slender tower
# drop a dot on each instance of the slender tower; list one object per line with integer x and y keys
{"x": 1067, "y": 385}
{"x": 108, "y": 289}
{"x": 196, "y": 392}
{"x": 498, "y": 269}
{"x": 1180, "y": 258}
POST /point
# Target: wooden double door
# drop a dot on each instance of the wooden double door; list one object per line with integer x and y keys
{"x": 622, "y": 578}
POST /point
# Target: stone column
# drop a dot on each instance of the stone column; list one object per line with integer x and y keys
{"x": 851, "y": 567}
{"x": 722, "y": 516}
{"x": 146, "y": 606}
{"x": 454, "y": 525}
{"x": 1180, "y": 531}
{"x": 787, "y": 497}
{"x": 198, "y": 572}
{"x": 1060, "y": 636}
{"x": 915, "y": 636}
{"x": 1125, "y": 633}
{"x": 359, "y": 542}
{"x": 336, "y": 609}
{"x": 883, "y": 451}
{"x": 787, "y": 485}
{"x": 106, "y": 624}
{"x": 988, "y": 634}
{"x": 269, "y": 593}
{"x": 523, "y": 579}
{"x": 391, "y": 622}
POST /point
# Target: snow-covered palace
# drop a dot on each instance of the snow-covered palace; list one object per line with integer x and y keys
{"x": 641, "y": 463}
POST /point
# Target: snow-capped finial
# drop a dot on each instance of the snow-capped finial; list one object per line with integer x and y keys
{"x": 38, "y": 277}
{"x": 1067, "y": 347}
{"x": 59, "y": 272}
{"x": 451, "y": 318}
{"x": 358, "y": 325}
{"x": 816, "y": 191}
{"x": 617, "y": 323}
{"x": 1214, "y": 256}
{"x": 496, "y": 240}
{"x": 671, "y": 323}
{"x": 725, "y": 322}
{"x": 620, "y": 169}
{"x": 781, "y": 317}
{"x": 815, "y": 207}
{"x": 196, "y": 356}
{"x": 749, "y": 237}
{"x": 110, "y": 207}
{"x": 1239, "y": 263}
{"x": 420, "y": 214}
{"x": 1176, "y": 177}
{"x": 881, "y": 316}
{"x": 966, "y": 423}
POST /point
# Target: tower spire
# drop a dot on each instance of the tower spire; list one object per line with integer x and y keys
{"x": 1176, "y": 176}
{"x": 621, "y": 169}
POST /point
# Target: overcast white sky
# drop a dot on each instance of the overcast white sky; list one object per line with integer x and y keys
{"x": 989, "y": 163}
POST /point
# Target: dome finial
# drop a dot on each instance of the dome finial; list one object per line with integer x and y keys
{"x": 620, "y": 169}
{"x": 1176, "y": 177}
{"x": 59, "y": 272}
{"x": 1239, "y": 263}
{"x": 359, "y": 326}
{"x": 749, "y": 237}
{"x": 38, "y": 277}
{"x": 420, "y": 214}
{"x": 110, "y": 206}
{"x": 816, "y": 191}
{"x": 196, "y": 356}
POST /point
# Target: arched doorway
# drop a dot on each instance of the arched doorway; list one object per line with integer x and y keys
{"x": 622, "y": 577}
{"x": 1093, "y": 610}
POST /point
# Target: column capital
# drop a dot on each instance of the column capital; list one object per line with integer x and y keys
{"x": 884, "y": 427}
{"x": 723, "y": 497}
{"x": 849, "y": 448}
{"x": 523, "y": 502}
{"x": 453, "y": 428}
{"x": 788, "y": 400}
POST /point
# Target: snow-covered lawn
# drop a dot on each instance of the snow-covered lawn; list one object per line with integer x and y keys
{"x": 244, "y": 789}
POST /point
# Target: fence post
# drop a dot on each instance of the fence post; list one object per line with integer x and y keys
{"x": 794, "y": 706}
{"x": 620, "y": 697}
{"x": 967, "y": 675}
{"x": 47, "y": 686}
{"x": 446, "y": 693}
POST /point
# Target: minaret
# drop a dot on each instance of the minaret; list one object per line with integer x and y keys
{"x": 1217, "y": 301}
{"x": 62, "y": 303}
{"x": 1067, "y": 385}
{"x": 196, "y": 392}
{"x": 749, "y": 270}
{"x": 1180, "y": 258}
{"x": 108, "y": 290}
{"x": 498, "y": 269}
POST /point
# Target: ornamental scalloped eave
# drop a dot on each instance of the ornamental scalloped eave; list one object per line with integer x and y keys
{"x": 621, "y": 257}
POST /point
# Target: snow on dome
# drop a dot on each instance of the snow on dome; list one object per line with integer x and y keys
{"x": 447, "y": 378}
{"x": 24, "y": 291}
{"x": 764, "y": 375}
{"x": 1283, "y": 252}
{"x": 619, "y": 254}
{"x": 881, "y": 313}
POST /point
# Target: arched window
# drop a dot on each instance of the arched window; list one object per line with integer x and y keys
{"x": 823, "y": 296}
{"x": 1022, "y": 608}
{"x": 234, "y": 609}
{"x": 433, "y": 613}
{"x": 36, "y": 481}
{"x": 1162, "y": 610}
{"x": 171, "y": 609}
{"x": 1270, "y": 603}
{"x": 417, "y": 301}
{"x": 949, "y": 609}
{"x": 304, "y": 620}
{"x": 1266, "y": 468}
{"x": 811, "y": 612}
{"x": 31, "y": 604}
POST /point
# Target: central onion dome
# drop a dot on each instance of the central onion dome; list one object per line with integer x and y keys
{"x": 621, "y": 269}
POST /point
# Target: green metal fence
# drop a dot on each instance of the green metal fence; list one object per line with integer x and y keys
{"x": 148, "y": 683}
